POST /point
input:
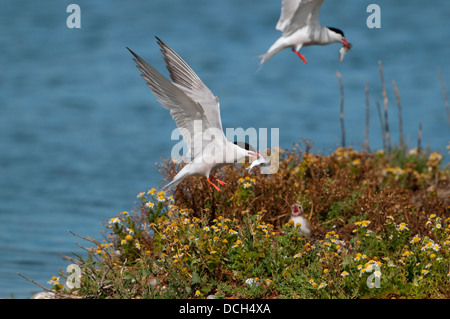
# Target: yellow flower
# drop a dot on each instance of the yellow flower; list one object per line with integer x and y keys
{"x": 114, "y": 220}
{"x": 344, "y": 273}
{"x": 367, "y": 267}
{"x": 54, "y": 280}
{"x": 128, "y": 237}
{"x": 247, "y": 185}
{"x": 435, "y": 157}
{"x": 402, "y": 227}
{"x": 152, "y": 191}
{"x": 359, "y": 256}
{"x": 197, "y": 293}
{"x": 415, "y": 239}
{"x": 161, "y": 193}
{"x": 325, "y": 271}
{"x": 322, "y": 285}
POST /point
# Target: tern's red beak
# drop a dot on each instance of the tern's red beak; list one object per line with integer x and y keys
{"x": 259, "y": 155}
{"x": 346, "y": 44}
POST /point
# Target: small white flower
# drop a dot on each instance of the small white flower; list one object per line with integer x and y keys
{"x": 247, "y": 185}
{"x": 140, "y": 195}
{"x": 114, "y": 220}
{"x": 252, "y": 282}
{"x": 322, "y": 285}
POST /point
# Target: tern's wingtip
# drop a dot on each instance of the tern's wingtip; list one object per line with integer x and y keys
{"x": 131, "y": 51}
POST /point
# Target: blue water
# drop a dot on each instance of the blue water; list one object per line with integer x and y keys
{"x": 80, "y": 132}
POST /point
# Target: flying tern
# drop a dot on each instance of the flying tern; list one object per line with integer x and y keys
{"x": 299, "y": 23}
{"x": 196, "y": 112}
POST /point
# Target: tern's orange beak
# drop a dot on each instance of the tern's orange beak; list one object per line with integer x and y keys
{"x": 346, "y": 44}
{"x": 259, "y": 155}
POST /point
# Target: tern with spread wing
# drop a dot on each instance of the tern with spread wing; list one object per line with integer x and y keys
{"x": 299, "y": 23}
{"x": 196, "y": 112}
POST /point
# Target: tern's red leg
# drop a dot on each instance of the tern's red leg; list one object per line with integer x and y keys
{"x": 218, "y": 180}
{"x": 300, "y": 55}
{"x": 215, "y": 186}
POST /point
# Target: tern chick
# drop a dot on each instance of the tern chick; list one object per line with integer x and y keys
{"x": 298, "y": 218}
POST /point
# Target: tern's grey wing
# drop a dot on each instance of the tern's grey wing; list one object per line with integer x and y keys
{"x": 188, "y": 114}
{"x": 306, "y": 13}
{"x": 186, "y": 80}
{"x": 288, "y": 8}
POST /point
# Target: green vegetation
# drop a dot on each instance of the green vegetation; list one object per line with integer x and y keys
{"x": 380, "y": 228}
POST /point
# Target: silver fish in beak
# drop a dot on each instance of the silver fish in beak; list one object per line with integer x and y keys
{"x": 257, "y": 162}
{"x": 347, "y": 46}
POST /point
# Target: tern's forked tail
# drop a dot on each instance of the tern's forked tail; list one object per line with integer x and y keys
{"x": 179, "y": 177}
{"x": 274, "y": 49}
